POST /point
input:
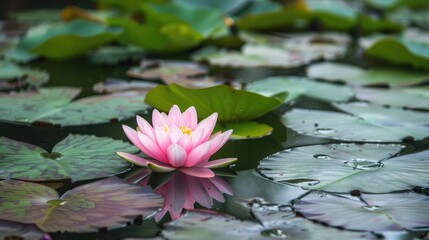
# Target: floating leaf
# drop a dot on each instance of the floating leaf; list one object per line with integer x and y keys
{"x": 288, "y": 51}
{"x": 11, "y": 230}
{"x": 367, "y": 123}
{"x": 339, "y": 15}
{"x": 53, "y": 105}
{"x": 213, "y": 225}
{"x": 108, "y": 203}
{"x": 65, "y": 40}
{"x": 417, "y": 97}
{"x": 374, "y": 212}
{"x": 408, "y": 17}
{"x": 114, "y": 54}
{"x": 77, "y": 157}
{"x": 233, "y": 105}
{"x": 117, "y": 85}
{"x": 298, "y": 86}
{"x": 222, "y": 5}
{"x": 13, "y": 76}
{"x": 391, "y": 4}
{"x": 350, "y": 166}
{"x": 245, "y": 129}
{"x": 37, "y": 16}
{"x": 353, "y": 75}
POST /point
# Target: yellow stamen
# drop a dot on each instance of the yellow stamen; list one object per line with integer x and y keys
{"x": 165, "y": 128}
{"x": 186, "y": 130}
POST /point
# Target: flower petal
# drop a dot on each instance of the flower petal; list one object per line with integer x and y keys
{"x": 145, "y": 127}
{"x": 174, "y": 116}
{"x": 142, "y": 162}
{"x": 162, "y": 139}
{"x": 151, "y": 148}
{"x": 176, "y": 155}
{"x": 212, "y": 190}
{"x": 189, "y": 118}
{"x": 186, "y": 142}
{"x": 160, "y": 168}
{"x": 198, "y": 191}
{"x": 198, "y": 155}
{"x": 159, "y": 119}
{"x": 208, "y": 125}
{"x": 220, "y": 163}
{"x": 222, "y": 185}
{"x": 218, "y": 142}
{"x": 198, "y": 172}
{"x": 133, "y": 137}
{"x": 197, "y": 137}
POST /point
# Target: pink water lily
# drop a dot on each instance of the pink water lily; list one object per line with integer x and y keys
{"x": 178, "y": 141}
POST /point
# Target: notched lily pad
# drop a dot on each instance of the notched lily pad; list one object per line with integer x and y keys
{"x": 53, "y": 105}
{"x": 109, "y": 203}
{"x": 365, "y": 123}
{"x": 373, "y": 212}
{"x": 350, "y": 166}
{"x": 298, "y": 86}
{"x": 77, "y": 157}
{"x": 13, "y": 76}
{"x": 356, "y": 76}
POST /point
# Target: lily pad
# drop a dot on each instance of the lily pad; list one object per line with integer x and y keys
{"x": 234, "y": 104}
{"x": 65, "y": 40}
{"x": 351, "y": 167}
{"x": 408, "y": 17}
{"x": 245, "y": 129}
{"x": 392, "y": 4}
{"x": 365, "y": 123}
{"x": 53, "y": 105}
{"x": 299, "y": 86}
{"x": 12, "y": 230}
{"x": 13, "y": 76}
{"x": 77, "y": 157}
{"x": 339, "y": 15}
{"x": 417, "y": 97}
{"x": 213, "y": 225}
{"x": 353, "y": 75}
{"x": 225, "y": 6}
{"x": 112, "y": 85}
{"x": 373, "y": 212}
{"x": 114, "y": 54}
{"x": 109, "y": 203}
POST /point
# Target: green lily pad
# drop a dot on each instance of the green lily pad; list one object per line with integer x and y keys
{"x": 366, "y": 123}
{"x": 416, "y": 97}
{"x": 372, "y": 212}
{"x": 126, "y": 5}
{"x": 299, "y": 86}
{"x": 37, "y": 16}
{"x": 12, "y": 230}
{"x": 53, "y": 105}
{"x": 13, "y": 76}
{"x": 392, "y": 4}
{"x": 221, "y": 5}
{"x": 245, "y": 129}
{"x": 213, "y": 225}
{"x": 77, "y": 157}
{"x": 356, "y": 76}
{"x": 64, "y": 40}
{"x": 112, "y": 85}
{"x": 109, "y": 203}
{"x": 339, "y": 15}
{"x": 114, "y": 54}
{"x": 233, "y": 105}
{"x": 350, "y": 166}
{"x": 409, "y": 17}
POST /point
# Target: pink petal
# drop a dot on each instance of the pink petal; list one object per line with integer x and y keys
{"x": 222, "y": 185}
{"x": 162, "y": 139}
{"x": 174, "y": 116}
{"x": 197, "y": 137}
{"x": 145, "y": 127}
{"x": 132, "y": 136}
{"x": 198, "y": 172}
{"x": 177, "y": 192}
{"x": 174, "y": 133}
{"x": 217, "y": 163}
{"x": 186, "y": 142}
{"x": 189, "y": 118}
{"x": 198, "y": 192}
{"x": 136, "y": 160}
{"x": 176, "y": 155}
{"x": 208, "y": 125}
{"x": 212, "y": 190}
{"x": 151, "y": 148}
{"x": 158, "y": 119}
{"x": 198, "y": 154}
{"x": 218, "y": 142}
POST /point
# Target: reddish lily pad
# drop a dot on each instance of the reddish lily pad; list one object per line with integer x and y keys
{"x": 77, "y": 157}
{"x": 12, "y": 230}
{"x": 109, "y": 203}
{"x": 111, "y": 85}
{"x": 53, "y": 105}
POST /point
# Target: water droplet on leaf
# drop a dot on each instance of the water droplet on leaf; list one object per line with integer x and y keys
{"x": 363, "y": 164}
{"x": 322, "y": 156}
{"x": 372, "y": 208}
{"x": 325, "y": 130}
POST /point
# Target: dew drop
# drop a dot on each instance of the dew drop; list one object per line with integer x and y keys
{"x": 363, "y": 164}
{"x": 325, "y": 130}
{"x": 275, "y": 233}
{"x": 322, "y": 156}
{"x": 372, "y": 208}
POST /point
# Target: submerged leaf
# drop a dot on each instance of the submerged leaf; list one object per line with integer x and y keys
{"x": 231, "y": 106}
{"x": 298, "y": 86}
{"x": 367, "y": 123}
{"x": 350, "y": 166}
{"x": 77, "y": 157}
{"x": 108, "y": 203}
{"x": 373, "y": 212}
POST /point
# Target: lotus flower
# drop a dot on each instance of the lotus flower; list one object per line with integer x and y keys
{"x": 178, "y": 141}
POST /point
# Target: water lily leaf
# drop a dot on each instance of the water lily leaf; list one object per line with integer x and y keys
{"x": 298, "y": 86}
{"x": 350, "y": 166}
{"x": 213, "y": 225}
{"x": 353, "y": 75}
{"x": 256, "y": 7}
{"x": 115, "y": 54}
{"x": 77, "y": 157}
{"x": 339, "y": 15}
{"x": 408, "y": 17}
{"x": 13, "y": 76}
{"x": 392, "y": 4}
{"x": 286, "y": 52}
{"x": 53, "y": 105}
{"x": 126, "y": 5}
{"x": 367, "y": 123}
{"x": 37, "y": 16}
{"x": 221, "y": 5}
{"x": 111, "y": 85}
{"x": 232, "y": 106}
{"x": 107, "y": 203}
{"x": 390, "y": 212}
{"x": 416, "y": 97}
{"x": 245, "y": 129}
{"x": 12, "y": 230}
{"x": 65, "y": 40}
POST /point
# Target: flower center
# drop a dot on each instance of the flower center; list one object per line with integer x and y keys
{"x": 186, "y": 130}
{"x": 165, "y": 128}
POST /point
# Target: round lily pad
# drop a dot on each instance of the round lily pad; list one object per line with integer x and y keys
{"x": 348, "y": 167}
{"x": 76, "y": 158}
